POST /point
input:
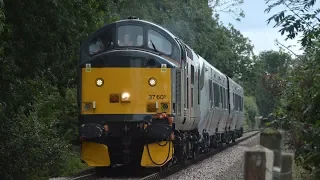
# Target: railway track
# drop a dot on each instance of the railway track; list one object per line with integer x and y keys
{"x": 91, "y": 174}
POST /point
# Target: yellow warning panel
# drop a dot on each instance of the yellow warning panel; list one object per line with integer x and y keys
{"x": 95, "y": 154}
{"x": 158, "y": 152}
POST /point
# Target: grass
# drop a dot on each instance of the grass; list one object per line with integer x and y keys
{"x": 74, "y": 165}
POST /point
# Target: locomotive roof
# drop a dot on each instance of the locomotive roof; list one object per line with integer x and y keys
{"x": 150, "y": 23}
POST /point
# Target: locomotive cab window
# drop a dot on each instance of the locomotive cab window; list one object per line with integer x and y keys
{"x": 102, "y": 42}
{"x": 130, "y": 35}
{"x": 161, "y": 43}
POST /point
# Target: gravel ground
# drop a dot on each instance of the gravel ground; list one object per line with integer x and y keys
{"x": 227, "y": 165}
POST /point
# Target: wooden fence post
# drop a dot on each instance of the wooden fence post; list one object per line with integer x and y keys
{"x": 286, "y": 166}
{"x": 258, "y": 163}
{"x": 271, "y": 139}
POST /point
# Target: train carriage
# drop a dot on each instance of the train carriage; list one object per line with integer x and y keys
{"x": 146, "y": 98}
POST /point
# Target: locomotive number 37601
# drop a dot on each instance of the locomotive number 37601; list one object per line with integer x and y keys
{"x": 157, "y": 97}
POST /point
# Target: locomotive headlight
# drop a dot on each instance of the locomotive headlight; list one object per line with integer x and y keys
{"x": 99, "y": 82}
{"x": 152, "y": 81}
{"x": 125, "y": 97}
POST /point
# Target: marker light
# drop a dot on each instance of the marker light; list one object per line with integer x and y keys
{"x": 125, "y": 97}
{"x": 152, "y": 81}
{"x": 99, "y": 82}
{"x": 87, "y": 106}
{"x": 114, "y": 98}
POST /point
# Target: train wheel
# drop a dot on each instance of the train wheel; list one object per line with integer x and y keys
{"x": 227, "y": 138}
{"x": 233, "y": 137}
{"x": 193, "y": 155}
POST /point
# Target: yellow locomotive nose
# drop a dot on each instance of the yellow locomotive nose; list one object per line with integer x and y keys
{"x": 131, "y": 91}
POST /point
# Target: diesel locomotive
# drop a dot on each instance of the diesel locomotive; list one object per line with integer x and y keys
{"x": 146, "y": 98}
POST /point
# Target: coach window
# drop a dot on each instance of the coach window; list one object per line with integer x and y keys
{"x": 234, "y": 101}
{"x": 161, "y": 43}
{"x": 237, "y": 101}
{"x": 102, "y": 42}
{"x": 210, "y": 90}
{"x": 241, "y": 103}
{"x": 216, "y": 94}
{"x": 130, "y": 35}
{"x": 223, "y": 97}
{"x": 227, "y": 99}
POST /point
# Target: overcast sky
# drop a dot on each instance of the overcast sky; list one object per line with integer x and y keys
{"x": 255, "y": 27}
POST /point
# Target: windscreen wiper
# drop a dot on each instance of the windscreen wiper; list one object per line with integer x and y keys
{"x": 154, "y": 47}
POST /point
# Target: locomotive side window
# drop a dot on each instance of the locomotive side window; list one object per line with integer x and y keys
{"x": 192, "y": 74}
{"x": 202, "y": 77}
{"x": 130, "y": 35}
{"x": 189, "y": 53}
{"x": 183, "y": 52}
{"x": 161, "y": 43}
{"x": 102, "y": 42}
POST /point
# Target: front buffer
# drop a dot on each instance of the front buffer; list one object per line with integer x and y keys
{"x": 158, "y": 146}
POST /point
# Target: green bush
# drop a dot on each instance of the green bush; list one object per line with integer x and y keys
{"x": 33, "y": 147}
{"x": 251, "y": 112}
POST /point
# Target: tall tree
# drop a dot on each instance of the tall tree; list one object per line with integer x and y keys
{"x": 271, "y": 82}
{"x": 301, "y": 97}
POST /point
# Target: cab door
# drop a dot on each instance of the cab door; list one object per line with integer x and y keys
{"x": 190, "y": 89}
